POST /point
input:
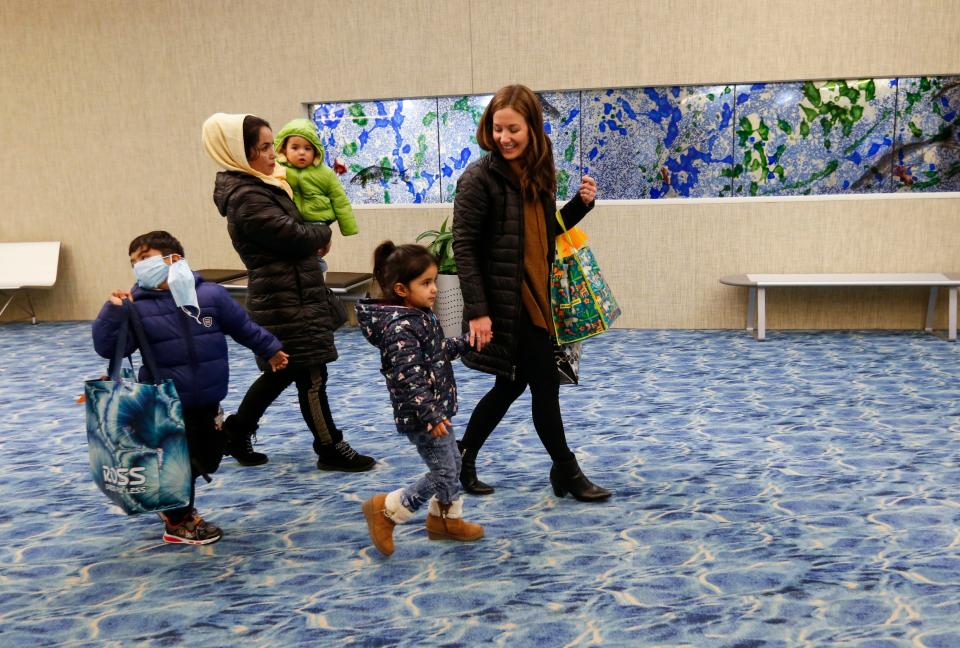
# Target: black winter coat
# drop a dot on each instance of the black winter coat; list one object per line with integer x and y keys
{"x": 488, "y": 246}
{"x": 286, "y": 293}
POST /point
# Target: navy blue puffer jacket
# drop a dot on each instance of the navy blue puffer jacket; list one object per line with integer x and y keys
{"x": 415, "y": 359}
{"x": 193, "y": 355}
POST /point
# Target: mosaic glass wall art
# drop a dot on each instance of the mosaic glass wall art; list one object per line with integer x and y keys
{"x": 561, "y": 121}
{"x": 768, "y": 139}
{"x": 813, "y": 138}
{"x": 659, "y": 142}
{"x": 927, "y": 153}
{"x": 460, "y": 116}
{"x": 385, "y": 151}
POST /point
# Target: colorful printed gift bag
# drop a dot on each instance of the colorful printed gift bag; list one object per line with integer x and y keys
{"x": 138, "y": 446}
{"x": 582, "y": 303}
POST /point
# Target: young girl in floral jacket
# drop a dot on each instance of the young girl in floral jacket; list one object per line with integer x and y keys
{"x": 415, "y": 360}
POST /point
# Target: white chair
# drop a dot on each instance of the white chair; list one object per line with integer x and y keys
{"x": 24, "y": 266}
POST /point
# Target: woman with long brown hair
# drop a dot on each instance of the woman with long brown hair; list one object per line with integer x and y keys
{"x": 503, "y": 239}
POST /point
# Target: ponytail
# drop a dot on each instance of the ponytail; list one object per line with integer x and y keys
{"x": 403, "y": 264}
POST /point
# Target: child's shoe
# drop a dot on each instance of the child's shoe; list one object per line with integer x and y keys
{"x": 383, "y": 512}
{"x": 378, "y": 524}
{"x": 340, "y": 456}
{"x": 445, "y": 522}
{"x": 192, "y": 529}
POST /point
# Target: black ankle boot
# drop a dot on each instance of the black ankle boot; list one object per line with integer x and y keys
{"x": 468, "y": 474}
{"x": 240, "y": 443}
{"x": 340, "y": 456}
{"x": 566, "y": 477}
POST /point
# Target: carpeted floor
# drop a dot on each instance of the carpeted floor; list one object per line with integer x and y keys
{"x": 804, "y": 491}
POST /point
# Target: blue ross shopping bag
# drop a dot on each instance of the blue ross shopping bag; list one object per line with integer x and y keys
{"x": 138, "y": 445}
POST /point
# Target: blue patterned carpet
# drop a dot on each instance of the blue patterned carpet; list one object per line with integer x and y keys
{"x": 804, "y": 491}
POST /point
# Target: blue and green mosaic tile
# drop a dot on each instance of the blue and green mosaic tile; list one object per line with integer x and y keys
{"x": 387, "y": 150}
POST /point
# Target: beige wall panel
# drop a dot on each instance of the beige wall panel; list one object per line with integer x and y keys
{"x": 664, "y": 261}
{"x": 102, "y": 105}
{"x": 571, "y": 44}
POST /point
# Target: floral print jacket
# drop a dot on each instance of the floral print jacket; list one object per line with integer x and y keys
{"x": 415, "y": 360}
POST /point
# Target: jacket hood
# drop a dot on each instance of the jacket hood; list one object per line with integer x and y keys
{"x": 223, "y": 187}
{"x": 142, "y": 293}
{"x": 374, "y": 318}
{"x": 222, "y": 138}
{"x": 305, "y": 129}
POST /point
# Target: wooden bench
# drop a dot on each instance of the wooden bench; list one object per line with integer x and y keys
{"x": 759, "y": 283}
{"x": 24, "y": 266}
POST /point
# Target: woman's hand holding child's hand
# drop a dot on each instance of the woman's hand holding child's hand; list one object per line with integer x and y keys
{"x": 279, "y": 361}
{"x": 440, "y": 429}
{"x": 117, "y": 297}
{"x": 481, "y": 332}
{"x": 325, "y": 250}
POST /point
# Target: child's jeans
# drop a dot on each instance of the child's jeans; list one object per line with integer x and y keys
{"x": 443, "y": 459}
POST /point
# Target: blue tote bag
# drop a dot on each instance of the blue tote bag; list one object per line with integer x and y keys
{"x": 138, "y": 446}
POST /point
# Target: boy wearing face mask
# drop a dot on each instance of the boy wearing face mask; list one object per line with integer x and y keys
{"x": 185, "y": 320}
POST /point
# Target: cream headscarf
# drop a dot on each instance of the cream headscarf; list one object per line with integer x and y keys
{"x": 223, "y": 141}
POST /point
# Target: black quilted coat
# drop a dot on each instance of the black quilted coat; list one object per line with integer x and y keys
{"x": 488, "y": 246}
{"x": 286, "y": 293}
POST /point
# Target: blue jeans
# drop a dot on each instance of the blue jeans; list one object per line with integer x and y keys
{"x": 443, "y": 459}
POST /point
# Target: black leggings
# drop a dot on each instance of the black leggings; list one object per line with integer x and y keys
{"x": 536, "y": 368}
{"x": 312, "y": 392}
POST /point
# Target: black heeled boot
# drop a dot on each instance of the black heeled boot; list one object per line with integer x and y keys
{"x": 566, "y": 477}
{"x": 468, "y": 474}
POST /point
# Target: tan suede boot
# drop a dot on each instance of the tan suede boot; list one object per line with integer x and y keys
{"x": 378, "y": 524}
{"x": 445, "y": 522}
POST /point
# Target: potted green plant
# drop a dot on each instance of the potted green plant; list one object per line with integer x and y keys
{"x": 449, "y": 304}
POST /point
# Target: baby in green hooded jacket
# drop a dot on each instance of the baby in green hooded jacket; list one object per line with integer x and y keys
{"x": 317, "y": 191}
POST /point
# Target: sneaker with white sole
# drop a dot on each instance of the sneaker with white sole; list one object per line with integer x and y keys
{"x": 193, "y": 530}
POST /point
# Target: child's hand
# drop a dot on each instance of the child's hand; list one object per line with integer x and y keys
{"x": 440, "y": 429}
{"x": 279, "y": 361}
{"x": 117, "y": 297}
{"x": 325, "y": 250}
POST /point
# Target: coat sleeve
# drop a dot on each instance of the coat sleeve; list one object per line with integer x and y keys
{"x": 455, "y": 347}
{"x": 332, "y": 188}
{"x": 408, "y": 373}
{"x": 260, "y": 219}
{"x": 470, "y": 210}
{"x": 574, "y": 211}
{"x": 106, "y": 330}
{"x": 236, "y": 323}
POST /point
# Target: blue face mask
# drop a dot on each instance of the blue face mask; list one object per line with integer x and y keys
{"x": 151, "y": 272}
{"x": 183, "y": 287}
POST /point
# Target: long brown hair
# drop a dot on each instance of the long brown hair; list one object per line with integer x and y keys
{"x": 537, "y": 172}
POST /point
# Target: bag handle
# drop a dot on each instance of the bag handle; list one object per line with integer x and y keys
{"x": 145, "y": 351}
{"x": 566, "y": 234}
{"x": 131, "y": 318}
{"x": 113, "y": 371}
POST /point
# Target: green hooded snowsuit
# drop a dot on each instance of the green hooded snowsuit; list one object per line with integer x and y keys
{"x": 317, "y": 191}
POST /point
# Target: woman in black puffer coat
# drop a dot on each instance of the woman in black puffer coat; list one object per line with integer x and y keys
{"x": 286, "y": 292}
{"x": 503, "y": 239}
